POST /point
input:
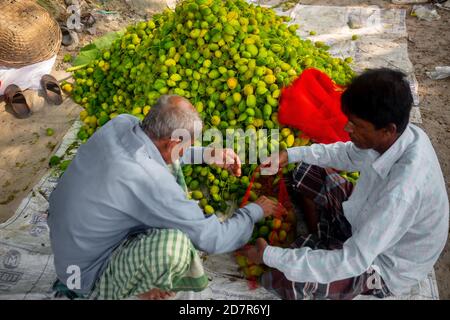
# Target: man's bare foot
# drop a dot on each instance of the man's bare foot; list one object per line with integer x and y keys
{"x": 156, "y": 294}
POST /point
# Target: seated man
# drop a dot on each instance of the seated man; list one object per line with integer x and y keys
{"x": 119, "y": 218}
{"x": 380, "y": 237}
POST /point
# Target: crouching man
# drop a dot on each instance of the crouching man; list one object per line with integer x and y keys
{"x": 120, "y": 213}
{"x": 381, "y": 237}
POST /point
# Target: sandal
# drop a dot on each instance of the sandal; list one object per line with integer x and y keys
{"x": 52, "y": 90}
{"x": 15, "y": 98}
{"x": 66, "y": 39}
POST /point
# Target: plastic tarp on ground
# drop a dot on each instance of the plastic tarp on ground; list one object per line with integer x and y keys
{"x": 26, "y": 260}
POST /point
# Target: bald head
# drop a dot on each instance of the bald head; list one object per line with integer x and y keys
{"x": 171, "y": 112}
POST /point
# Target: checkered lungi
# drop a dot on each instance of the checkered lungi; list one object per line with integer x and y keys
{"x": 159, "y": 258}
{"x": 328, "y": 190}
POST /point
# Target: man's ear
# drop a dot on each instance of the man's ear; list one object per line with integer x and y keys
{"x": 391, "y": 129}
{"x": 172, "y": 143}
{"x": 171, "y": 148}
{"x": 175, "y": 147}
{"x": 169, "y": 144}
{"x": 183, "y": 146}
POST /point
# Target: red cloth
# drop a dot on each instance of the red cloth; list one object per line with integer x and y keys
{"x": 312, "y": 104}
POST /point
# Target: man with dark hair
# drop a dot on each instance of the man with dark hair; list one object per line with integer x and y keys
{"x": 380, "y": 237}
{"x": 383, "y": 98}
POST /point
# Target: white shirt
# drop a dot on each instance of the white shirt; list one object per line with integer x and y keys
{"x": 399, "y": 213}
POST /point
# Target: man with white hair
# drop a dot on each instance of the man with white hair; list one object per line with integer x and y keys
{"x": 121, "y": 225}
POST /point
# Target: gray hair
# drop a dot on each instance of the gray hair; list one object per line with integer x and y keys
{"x": 167, "y": 115}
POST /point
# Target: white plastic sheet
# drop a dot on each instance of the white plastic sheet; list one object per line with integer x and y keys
{"x": 28, "y": 77}
{"x": 439, "y": 73}
{"x": 426, "y": 12}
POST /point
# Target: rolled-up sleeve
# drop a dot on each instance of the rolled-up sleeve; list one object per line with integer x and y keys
{"x": 163, "y": 204}
{"x": 383, "y": 228}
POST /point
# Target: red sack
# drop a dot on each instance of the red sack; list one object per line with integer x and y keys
{"x": 312, "y": 104}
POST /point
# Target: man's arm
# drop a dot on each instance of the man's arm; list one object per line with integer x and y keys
{"x": 340, "y": 155}
{"x": 386, "y": 223}
{"x": 163, "y": 204}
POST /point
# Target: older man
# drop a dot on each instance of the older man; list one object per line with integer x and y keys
{"x": 121, "y": 225}
{"x": 381, "y": 237}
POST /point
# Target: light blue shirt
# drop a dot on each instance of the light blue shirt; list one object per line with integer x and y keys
{"x": 117, "y": 184}
{"x": 399, "y": 213}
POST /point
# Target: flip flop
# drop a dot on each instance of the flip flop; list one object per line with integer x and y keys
{"x": 15, "y": 98}
{"x": 66, "y": 39}
{"x": 52, "y": 90}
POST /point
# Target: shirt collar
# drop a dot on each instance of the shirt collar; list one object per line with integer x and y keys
{"x": 150, "y": 147}
{"x": 383, "y": 164}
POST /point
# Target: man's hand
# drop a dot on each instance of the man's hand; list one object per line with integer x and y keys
{"x": 224, "y": 158}
{"x": 278, "y": 160}
{"x": 255, "y": 253}
{"x": 269, "y": 206}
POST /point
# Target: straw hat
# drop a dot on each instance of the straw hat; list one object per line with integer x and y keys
{"x": 28, "y": 34}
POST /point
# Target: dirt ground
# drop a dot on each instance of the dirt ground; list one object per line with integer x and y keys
{"x": 25, "y": 148}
